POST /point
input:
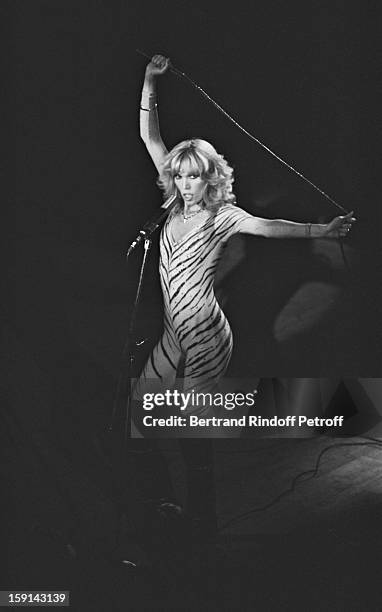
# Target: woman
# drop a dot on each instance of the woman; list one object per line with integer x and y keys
{"x": 197, "y": 342}
{"x": 196, "y": 345}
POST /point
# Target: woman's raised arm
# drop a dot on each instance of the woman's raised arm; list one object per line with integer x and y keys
{"x": 148, "y": 118}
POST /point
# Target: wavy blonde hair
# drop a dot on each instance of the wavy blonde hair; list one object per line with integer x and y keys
{"x": 211, "y": 166}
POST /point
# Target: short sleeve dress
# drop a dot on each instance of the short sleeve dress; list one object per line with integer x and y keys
{"x": 196, "y": 344}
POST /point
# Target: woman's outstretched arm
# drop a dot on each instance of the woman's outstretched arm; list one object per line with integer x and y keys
{"x": 148, "y": 117}
{"x": 280, "y": 228}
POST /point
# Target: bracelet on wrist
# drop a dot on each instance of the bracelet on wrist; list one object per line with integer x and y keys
{"x": 149, "y": 109}
{"x": 148, "y": 100}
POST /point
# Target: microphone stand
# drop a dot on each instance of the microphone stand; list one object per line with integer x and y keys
{"x": 118, "y": 433}
{"x": 124, "y": 390}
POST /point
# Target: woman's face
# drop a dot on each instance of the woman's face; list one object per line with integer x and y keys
{"x": 189, "y": 183}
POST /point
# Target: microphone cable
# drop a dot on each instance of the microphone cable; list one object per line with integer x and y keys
{"x": 305, "y": 475}
{"x": 183, "y": 75}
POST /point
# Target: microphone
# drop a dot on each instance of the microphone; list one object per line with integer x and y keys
{"x": 153, "y": 224}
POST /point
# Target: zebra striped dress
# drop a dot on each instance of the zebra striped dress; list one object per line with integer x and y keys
{"x": 196, "y": 345}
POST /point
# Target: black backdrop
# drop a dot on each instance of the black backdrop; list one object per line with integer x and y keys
{"x": 77, "y": 184}
{"x": 81, "y": 183}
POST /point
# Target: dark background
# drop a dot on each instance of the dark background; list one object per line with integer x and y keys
{"x": 81, "y": 183}
{"x": 78, "y": 184}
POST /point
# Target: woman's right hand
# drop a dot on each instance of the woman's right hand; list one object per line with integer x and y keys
{"x": 159, "y": 65}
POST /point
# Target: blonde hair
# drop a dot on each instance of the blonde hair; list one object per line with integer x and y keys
{"x": 212, "y": 167}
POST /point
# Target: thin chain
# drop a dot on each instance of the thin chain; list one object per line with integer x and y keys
{"x": 187, "y": 217}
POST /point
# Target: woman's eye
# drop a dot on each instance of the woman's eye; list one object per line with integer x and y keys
{"x": 177, "y": 177}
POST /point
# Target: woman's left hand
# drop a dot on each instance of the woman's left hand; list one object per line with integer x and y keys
{"x": 339, "y": 227}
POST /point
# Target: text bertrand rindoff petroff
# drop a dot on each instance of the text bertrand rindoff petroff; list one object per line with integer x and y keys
{"x": 191, "y": 402}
